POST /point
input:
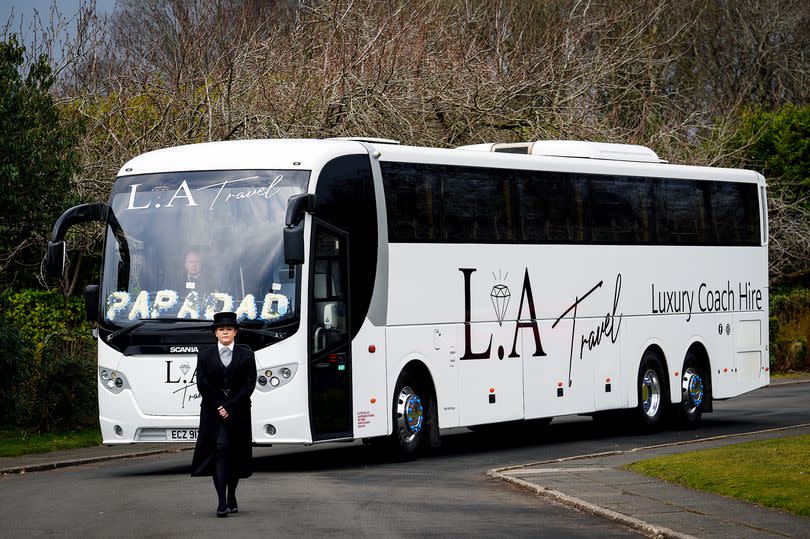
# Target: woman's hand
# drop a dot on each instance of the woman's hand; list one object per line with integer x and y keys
{"x": 223, "y": 413}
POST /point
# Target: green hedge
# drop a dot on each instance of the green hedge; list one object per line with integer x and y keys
{"x": 790, "y": 329}
{"x": 48, "y": 360}
{"x": 40, "y": 314}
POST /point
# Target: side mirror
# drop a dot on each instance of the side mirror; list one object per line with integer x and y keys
{"x": 55, "y": 259}
{"x": 91, "y": 301}
{"x": 294, "y": 230}
{"x": 294, "y": 245}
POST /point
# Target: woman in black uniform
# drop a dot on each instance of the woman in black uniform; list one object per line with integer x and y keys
{"x": 226, "y": 377}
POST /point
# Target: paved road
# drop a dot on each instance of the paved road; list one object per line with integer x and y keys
{"x": 347, "y": 489}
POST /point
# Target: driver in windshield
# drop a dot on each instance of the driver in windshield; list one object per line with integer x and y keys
{"x": 194, "y": 276}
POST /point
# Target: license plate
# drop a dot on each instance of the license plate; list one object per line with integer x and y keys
{"x": 182, "y": 435}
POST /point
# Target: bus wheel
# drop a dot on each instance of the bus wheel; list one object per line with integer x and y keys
{"x": 693, "y": 392}
{"x": 651, "y": 392}
{"x": 411, "y": 405}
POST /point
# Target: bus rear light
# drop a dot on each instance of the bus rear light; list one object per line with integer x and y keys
{"x": 285, "y": 372}
{"x": 118, "y": 431}
{"x": 274, "y": 381}
{"x": 676, "y": 374}
{"x": 492, "y": 390}
{"x": 262, "y": 381}
{"x": 373, "y": 400}
{"x": 371, "y": 348}
{"x": 607, "y": 380}
{"x": 559, "y": 384}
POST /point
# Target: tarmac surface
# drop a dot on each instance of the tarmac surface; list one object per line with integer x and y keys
{"x": 592, "y": 483}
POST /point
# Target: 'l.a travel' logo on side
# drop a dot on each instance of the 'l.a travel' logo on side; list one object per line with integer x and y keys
{"x": 501, "y": 296}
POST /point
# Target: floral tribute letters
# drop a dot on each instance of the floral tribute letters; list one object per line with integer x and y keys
{"x": 122, "y": 305}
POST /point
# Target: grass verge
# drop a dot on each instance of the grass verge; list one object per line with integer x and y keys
{"x": 790, "y": 375}
{"x": 774, "y": 473}
{"x": 17, "y": 442}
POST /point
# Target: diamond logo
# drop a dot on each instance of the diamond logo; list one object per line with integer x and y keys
{"x": 159, "y": 190}
{"x": 184, "y": 367}
{"x": 500, "y": 296}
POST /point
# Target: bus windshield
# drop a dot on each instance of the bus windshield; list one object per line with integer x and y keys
{"x": 191, "y": 244}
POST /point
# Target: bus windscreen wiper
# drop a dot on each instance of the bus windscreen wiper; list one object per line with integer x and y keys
{"x": 125, "y": 330}
{"x": 278, "y": 335}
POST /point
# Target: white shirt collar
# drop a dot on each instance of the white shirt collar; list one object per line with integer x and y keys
{"x": 229, "y": 347}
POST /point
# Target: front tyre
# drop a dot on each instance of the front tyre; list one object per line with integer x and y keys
{"x": 652, "y": 394}
{"x": 410, "y": 412}
{"x": 693, "y": 392}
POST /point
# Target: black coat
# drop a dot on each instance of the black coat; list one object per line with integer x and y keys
{"x": 240, "y": 379}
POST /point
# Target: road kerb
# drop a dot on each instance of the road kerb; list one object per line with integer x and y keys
{"x": 646, "y": 528}
{"x": 53, "y": 465}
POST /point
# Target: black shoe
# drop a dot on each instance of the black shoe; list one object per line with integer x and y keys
{"x": 221, "y": 513}
{"x": 233, "y": 509}
{"x": 232, "y": 505}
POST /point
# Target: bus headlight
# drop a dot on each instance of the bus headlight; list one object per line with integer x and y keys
{"x": 275, "y": 377}
{"x": 114, "y": 381}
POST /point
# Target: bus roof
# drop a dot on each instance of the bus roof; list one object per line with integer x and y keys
{"x": 311, "y": 154}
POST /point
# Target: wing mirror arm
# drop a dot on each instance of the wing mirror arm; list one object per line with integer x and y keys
{"x": 56, "y": 255}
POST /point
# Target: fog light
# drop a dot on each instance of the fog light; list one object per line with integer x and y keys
{"x": 113, "y": 375}
{"x": 268, "y": 373}
{"x": 262, "y": 381}
{"x": 274, "y": 381}
{"x": 111, "y": 383}
{"x": 119, "y": 383}
{"x": 270, "y": 429}
{"x": 105, "y": 376}
{"x": 118, "y": 430}
{"x": 285, "y": 372}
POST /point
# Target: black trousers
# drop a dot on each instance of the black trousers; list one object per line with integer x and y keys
{"x": 224, "y": 471}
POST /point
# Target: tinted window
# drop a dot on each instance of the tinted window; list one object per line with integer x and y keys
{"x": 735, "y": 213}
{"x": 411, "y": 203}
{"x": 441, "y": 203}
{"x": 621, "y": 209}
{"x": 552, "y": 207}
{"x": 477, "y": 205}
{"x": 681, "y": 215}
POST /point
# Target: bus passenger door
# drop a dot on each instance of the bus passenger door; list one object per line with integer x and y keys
{"x": 330, "y": 365}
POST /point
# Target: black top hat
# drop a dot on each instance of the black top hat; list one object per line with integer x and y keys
{"x": 225, "y": 318}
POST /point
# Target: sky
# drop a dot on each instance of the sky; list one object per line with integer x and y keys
{"x": 25, "y": 9}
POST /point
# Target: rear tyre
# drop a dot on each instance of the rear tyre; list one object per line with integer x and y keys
{"x": 652, "y": 393}
{"x": 693, "y": 392}
{"x": 411, "y": 404}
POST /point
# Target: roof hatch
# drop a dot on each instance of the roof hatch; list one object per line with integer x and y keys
{"x": 573, "y": 148}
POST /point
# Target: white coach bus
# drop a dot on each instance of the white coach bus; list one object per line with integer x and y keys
{"x": 392, "y": 291}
